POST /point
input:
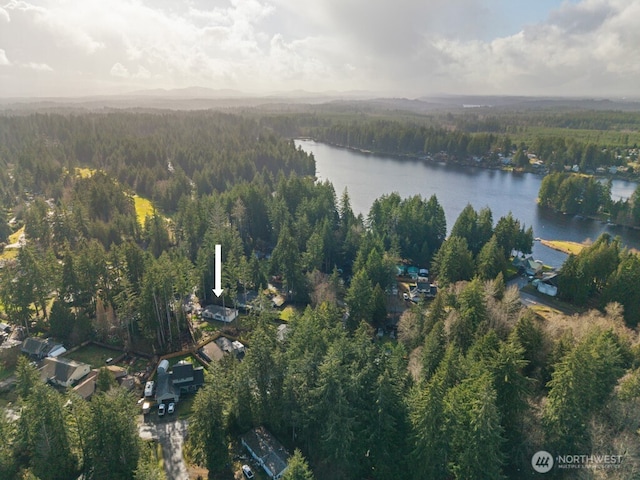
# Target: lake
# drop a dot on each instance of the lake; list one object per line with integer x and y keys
{"x": 369, "y": 176}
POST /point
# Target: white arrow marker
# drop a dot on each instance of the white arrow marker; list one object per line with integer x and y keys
{"x": 218, "y": 278}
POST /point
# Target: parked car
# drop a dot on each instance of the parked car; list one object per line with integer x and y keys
{"x": 161, "y": 410}
{"x": 246, "y": 469}
{"x": 171, "y": 408}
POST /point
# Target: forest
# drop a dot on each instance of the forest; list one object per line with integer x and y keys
{"x": 472, "y": 387}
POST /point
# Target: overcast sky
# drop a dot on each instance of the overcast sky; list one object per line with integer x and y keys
{"x": 404, "y": 48}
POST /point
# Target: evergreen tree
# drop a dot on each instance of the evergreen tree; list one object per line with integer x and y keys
{"x": 490, "y": 261}
{"x": 474, "y": 425}
{"x": 298, "y": 468}
{"x": 454, "y": 261}
{"x": 359, "y": 300}
{"x": 207, "y": 439}
{"x": 113, "y": 444}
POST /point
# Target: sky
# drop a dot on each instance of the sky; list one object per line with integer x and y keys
{"x": 400, "y": 48}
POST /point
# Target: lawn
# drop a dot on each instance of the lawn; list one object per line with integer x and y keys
{"x": 144, "y": 208}
{"x": 288, "y": 313}
{"x": 94, "y": 355}
{"x": 15, "y": 236}
{"x": 564, "y": 246}
{"x": 12, "y": 252}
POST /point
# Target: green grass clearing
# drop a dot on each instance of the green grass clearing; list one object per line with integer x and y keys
{"x": 94, "y": 355}
{"x": 288, "y": 313}
{"x": 144, "y": 208}
{"x": 564, "y": 246}
{"x": 15, "y": 236}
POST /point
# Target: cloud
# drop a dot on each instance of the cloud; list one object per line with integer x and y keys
{"x": 402, "y": 47}
{"x": 3, "y": 58}
{"x": 119, "y": 70}
{"x": 39, "y": 67}
{"x": 4, "y": 15}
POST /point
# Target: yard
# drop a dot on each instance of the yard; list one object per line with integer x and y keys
{"x": 94, "y": 355}
{"x": 144, "y": 208}
{"x": 564, "y": 246}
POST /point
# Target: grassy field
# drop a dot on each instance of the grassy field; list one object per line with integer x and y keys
{"x": 564, "y": 246}
{"x": 144, "y": 208}
{"x": 287, "y": 313}
{"x": 94, "y": 355}
{"x": 15, "y": 236}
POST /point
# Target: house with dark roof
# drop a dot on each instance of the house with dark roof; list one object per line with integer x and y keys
{"x": 183, "y": 378}
{"x": 62, "y": 371}
{"x": 267, "y": 451}
{"x": 38, "y": 348}
{"x": 186, "y": 378}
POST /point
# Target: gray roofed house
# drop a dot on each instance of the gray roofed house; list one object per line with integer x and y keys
{"x": 187, "y": 378}
{"x": 39, "y": 347}
{"x": 183, "y": 378}
{"x": 62, "y": 371}
{"x": 231, "y": 347}
{"x": 267, "y": 451}
{"x": 165, "y": 391}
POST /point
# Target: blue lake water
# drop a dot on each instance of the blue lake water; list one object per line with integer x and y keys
{"x": 368, "y": 176}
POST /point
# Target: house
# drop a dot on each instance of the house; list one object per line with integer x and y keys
{"x": 87, "y": 387}
{"x": 221, "y": 314}
{"x": 267, "y": 451}
{"x": 63, "y": 371}
{"x": 528, "y": 265}
{"x": 211, "y": 351}
{"x": 165, "y": 391}
{"x": 227, "y": 346}
{"x": 39, "y": 348}
{"x": 186, "y": 378}
{"x": 547, "y": 284}
{"x": 183, "y": 378}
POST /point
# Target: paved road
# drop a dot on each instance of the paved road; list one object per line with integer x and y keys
{"x": 170, "y": 434}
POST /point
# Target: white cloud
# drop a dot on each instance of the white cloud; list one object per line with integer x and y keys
{"x": 404, "y": 47}
{"x": 119, "y": 70}
{"x": 3, "y": 58}
{"x": 39, "y": 67}
{"x": 4, "y": 15}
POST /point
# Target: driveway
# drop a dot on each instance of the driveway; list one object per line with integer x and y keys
{"x": 170, "y": 434}
{"x": 529, "y": 300}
